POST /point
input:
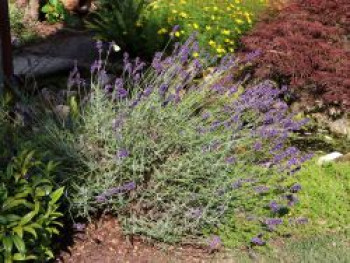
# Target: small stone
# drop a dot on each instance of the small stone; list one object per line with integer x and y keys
{"x": 329, "y": 158}
{"x": 340, "y": 127}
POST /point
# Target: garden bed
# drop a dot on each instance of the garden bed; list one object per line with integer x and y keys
{"x": 183, "y": 157}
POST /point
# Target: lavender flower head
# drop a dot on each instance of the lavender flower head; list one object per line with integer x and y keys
{"x": 257, "y": 241}
{"x": 122, "y": 153}
{"x": 79, "y": 227}
{"x": 295, "y": 188}
{"x": 214, "y": 242}
{"x": 274, "y": 206}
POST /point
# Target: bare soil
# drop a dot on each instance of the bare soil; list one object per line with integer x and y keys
{"x": 104, "y": 242}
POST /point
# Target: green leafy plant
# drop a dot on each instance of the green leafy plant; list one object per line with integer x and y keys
{"x": 54, "y": 11}
{"x": 123, "y": 21}
{"x": 220, "y": 23}
{"x": 28, "y": 209}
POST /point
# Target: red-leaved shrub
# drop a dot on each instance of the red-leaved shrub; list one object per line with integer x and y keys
{"x": 307, "y": 46}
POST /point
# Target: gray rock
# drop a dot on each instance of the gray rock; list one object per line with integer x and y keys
{"x": 340, "y": 127}
{"x": 41, "y": 66}
{"x": 329, "y": 158}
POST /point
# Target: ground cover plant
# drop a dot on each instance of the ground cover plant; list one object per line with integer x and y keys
{"x": 306, "y": 46}
{"x": 173, "y": 153}
{"x": 323, "y": 206}
{"x": 220, "y": 24}
{"x": 124, "y": 21}
{"x": 143, "y": 27}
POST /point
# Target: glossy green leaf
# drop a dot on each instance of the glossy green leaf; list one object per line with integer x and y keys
{"x": 30, "y": 230}
{"x": 19, "y": 243}
{"x": 27, "y": 218}
{"x": 18, "y": 230}
{"x": 56, "y": 195}
{"x": 7, "y": 243}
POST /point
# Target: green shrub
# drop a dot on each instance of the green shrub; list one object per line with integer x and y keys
{"x": 28, "y": 209}
{"x": 219, "y": 23}
{"x": 54, "y": 11}
{"x": 142, "y": 27}
{"x": 123, "y": 21}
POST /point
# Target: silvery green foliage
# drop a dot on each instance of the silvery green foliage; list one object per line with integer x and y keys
{"x": 172, "y": 152}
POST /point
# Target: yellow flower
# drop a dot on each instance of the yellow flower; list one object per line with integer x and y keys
{"x": 174, "y": 11}
{"x": 212, "y": 43}
{"x": 215, "y": 8}
{"x": 195, "y": 25}
{"x": 162, "y": 31}
{"x": 220, "y": 50}
{"x": 208, "y": 28}
{"x": 237, "y": 1}
{"x": 177, "y": 34}
{"x": 212, "y": 17}
{"x": 225, "y": 32}
{"x": 226, "y": 40}
{"x": 195, "y": 54}
{"x": 231, "y": 49}
{"x": 239, "y": 21}
{"x": 183, "y": 15}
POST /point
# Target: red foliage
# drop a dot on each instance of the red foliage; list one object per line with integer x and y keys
{"x": 306, "y": 45}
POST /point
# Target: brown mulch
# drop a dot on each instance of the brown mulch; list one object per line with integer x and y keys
{"x": 104, "y": 242}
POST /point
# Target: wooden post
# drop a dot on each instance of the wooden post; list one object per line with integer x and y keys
{"x": 5, "y": 43}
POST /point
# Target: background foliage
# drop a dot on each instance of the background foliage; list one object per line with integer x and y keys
{"x": 306, "y": 46}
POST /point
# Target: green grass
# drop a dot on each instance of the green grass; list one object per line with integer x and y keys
{"x": 324, "y": 200}
{"x": 333, "y": 248}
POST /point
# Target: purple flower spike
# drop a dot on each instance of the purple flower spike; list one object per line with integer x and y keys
{"x": 175, "y": 28}
{"x": 79, "y": 227}
{"x": 261, "y": 189}
{"x": 230, "y": 160}
{"x": 301, "y": 220}
{"x": 163, "y": 89}
{"x": 237, "y": 184}
{"x": 273, "y": 221}
{"x": 206, "y": 115}
{"x": 121, "y": 93}
{"x": 129, "y": 186}
{"x": 214, "y": 242}
{"x": 101, "y": 198}
{"x": 257, "y": 241}
{"x": 274, "y": 206}
{"x": 123, "y": 153}
{"x": 295, "y": 188}
{"x": 99, "y": 45}
{"x": 292, "y": 199}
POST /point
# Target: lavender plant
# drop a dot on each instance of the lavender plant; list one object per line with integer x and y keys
{"x": 173, "y": 153}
